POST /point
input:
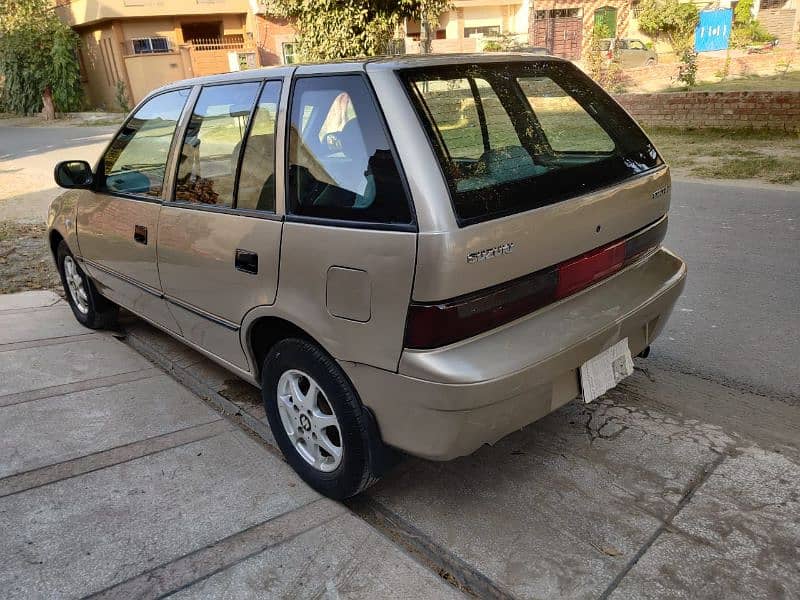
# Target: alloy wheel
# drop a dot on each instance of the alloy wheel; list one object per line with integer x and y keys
{"x": 309, "y": 420}
{"x": 76, "y": 285}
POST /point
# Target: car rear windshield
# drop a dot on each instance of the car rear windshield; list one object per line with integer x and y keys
{"x": 516, "y": 136}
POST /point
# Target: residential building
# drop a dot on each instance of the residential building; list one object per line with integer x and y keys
{"x": 470, "y": 22}
{"x": 143, "y": 44}
{"x": 462, "y": 29}
{"x": 565, "y": 27}
{"x": 781, "y": 18}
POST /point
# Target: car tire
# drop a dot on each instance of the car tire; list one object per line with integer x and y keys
{"x": 650, "y": 62}
{"x": 88, "y": 306}
{"x": 327, "y": 436}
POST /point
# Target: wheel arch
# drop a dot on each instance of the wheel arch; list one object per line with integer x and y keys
{"x": 263, "y": 331}
{"x": 54, "y": 239}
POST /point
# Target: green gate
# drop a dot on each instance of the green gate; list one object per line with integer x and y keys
{"x": 606, "y": 17}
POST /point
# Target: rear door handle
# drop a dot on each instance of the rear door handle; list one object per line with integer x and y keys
{"x": 140, "y": 234}
{"x": 246, "y": 261}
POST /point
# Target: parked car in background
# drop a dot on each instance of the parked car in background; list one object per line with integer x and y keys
{"x": 629, "y": 53}
{"x": 420, "y": 254}
{"x": 532, "y": 50}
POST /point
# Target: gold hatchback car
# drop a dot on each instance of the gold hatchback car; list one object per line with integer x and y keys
{"x": 420, "y": 254}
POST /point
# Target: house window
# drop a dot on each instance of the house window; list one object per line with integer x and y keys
{"x": 768, "y": 4}
{"x": 489, "y": 30}
{"x": 149, "y": 45}
{"x": 288, "y": 53}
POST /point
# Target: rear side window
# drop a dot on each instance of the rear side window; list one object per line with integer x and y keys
{"x": 136, "y": 160}
{"x": 210, "y": 151}
{"x": 257, "y": 176}
{"x": 516, "y": 136}
{"x": 565, "y": 124}
{"x": 341, "y": 165}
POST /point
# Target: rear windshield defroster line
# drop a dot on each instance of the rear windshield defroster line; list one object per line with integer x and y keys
{"x": 514, "y": 136}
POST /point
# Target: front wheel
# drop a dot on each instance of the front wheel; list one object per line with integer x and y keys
{"x": 318, "y": 421}
{"x": 88, "y": 306}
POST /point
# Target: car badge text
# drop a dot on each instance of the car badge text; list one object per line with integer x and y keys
{"x": 481, "y": 255}
{"x": 661, "y": 192}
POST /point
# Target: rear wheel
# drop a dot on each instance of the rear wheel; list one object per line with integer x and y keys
{"x": 318, "y": 421}
{"x": 88, "y": 306}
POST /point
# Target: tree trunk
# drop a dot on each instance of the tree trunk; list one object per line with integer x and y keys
{"x": 48, "y": 108}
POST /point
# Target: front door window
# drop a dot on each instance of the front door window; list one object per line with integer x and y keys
{"x": 136, "y": 161}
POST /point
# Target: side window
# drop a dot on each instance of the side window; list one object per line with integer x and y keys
{"x": 210, "y": 151}
{"x": 257, "y": 177}
{"x": 340, "y": 161}
{"x": 136, "y": 160}
{"x": 454, "y": 108}
{"x": 566, "y": 124}
{"x": 636, "y": 45}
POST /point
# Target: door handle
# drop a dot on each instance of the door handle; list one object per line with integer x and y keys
{"x": 246, "y": 261}
{"x": 140, "y": 234}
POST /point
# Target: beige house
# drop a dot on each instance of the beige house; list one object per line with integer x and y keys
{"x": 143, "y": 44}
{"x": 471, "y": 22}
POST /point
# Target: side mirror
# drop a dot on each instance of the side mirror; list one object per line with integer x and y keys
{"x": 74, "y": 174}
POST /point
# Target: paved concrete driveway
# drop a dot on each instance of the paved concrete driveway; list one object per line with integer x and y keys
{"x": 640, "y": 495}
{"x": 116, "y": 480}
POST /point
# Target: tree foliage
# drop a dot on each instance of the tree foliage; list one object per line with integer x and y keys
{"x": 38, "y": 58}
{"x": 330, "y": 29}
{"x": 605, "y": 71}
{"x": 670, "y": 20}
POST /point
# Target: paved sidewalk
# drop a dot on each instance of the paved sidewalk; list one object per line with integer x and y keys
{"x": 669, "y": 486}
{"x": 116, "y": 480}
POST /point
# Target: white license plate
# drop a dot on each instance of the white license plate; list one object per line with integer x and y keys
{"x": 604, "y": 371}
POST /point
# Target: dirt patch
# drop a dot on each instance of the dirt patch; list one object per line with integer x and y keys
{"x": 762, "y": 155}
{"x": 25, "y": 259}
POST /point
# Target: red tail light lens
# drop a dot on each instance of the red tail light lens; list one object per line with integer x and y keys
{"x": 581, "y": 272}
{"x": 432, "y": 325}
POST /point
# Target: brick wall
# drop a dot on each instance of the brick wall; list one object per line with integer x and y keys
{"x": 779, "y": 22}
{"x": 757, "y": 110}
{"x": 271, "y": 35}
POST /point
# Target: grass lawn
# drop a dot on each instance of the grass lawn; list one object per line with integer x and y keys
{"x": 771, "y": 156}
{"x": 750, "y": 83}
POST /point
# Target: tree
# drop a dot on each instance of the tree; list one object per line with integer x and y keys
{"x": 329, "y": 29}
{"x": 38, "y": 59}
{"x": 670, "y": 20}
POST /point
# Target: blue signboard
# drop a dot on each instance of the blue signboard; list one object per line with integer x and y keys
{"x": 714, "y": 30}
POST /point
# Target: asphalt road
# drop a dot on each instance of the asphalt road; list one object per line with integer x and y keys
{"x": 738, "y": 322}
{"x": 27, "y": 158}
{"x": 21, "y": 142}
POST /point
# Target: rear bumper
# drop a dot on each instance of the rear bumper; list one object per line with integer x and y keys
{"x": 447, "y": 402}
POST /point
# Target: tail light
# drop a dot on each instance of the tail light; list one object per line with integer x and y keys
{"x": 432, "y": 325}
{"x": 610, "y": 54}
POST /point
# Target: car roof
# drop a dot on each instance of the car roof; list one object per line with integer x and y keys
{"x": 405, "y": 61}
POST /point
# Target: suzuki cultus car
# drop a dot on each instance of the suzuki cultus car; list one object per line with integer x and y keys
{"x": 420, "y": 254}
